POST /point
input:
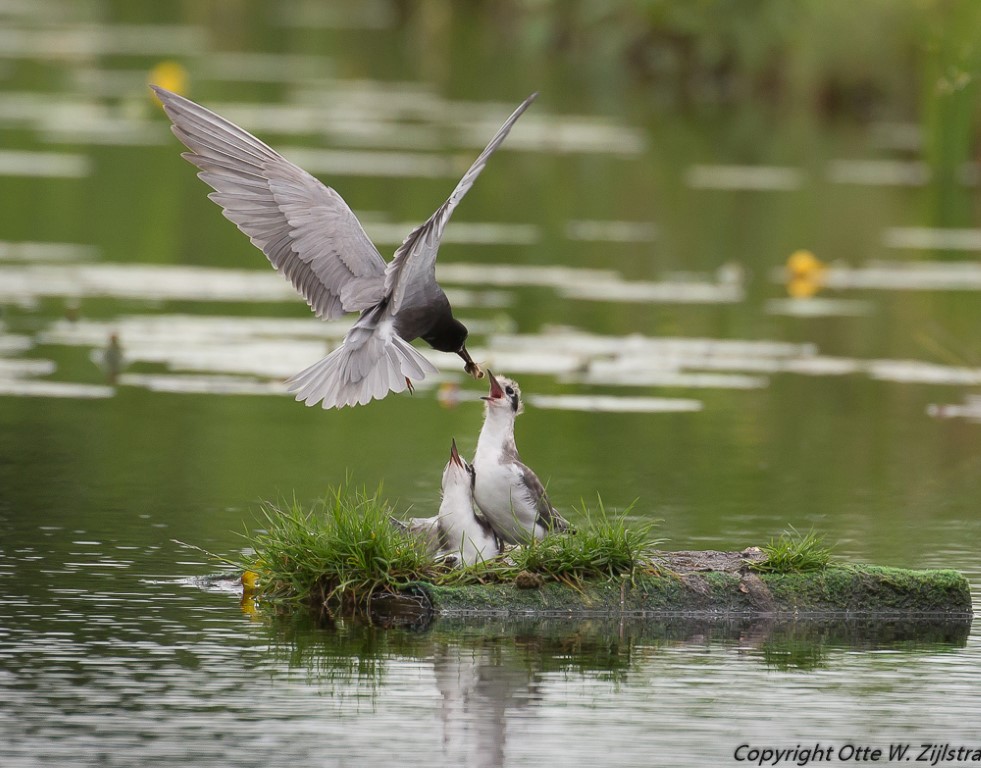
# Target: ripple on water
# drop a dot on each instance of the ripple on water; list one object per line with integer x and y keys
{"x": 650, "y": 292}
{"x": 614, "y": 404}
{"x": 34, "y": 388}
{"x": 178, "y": 670}
{"x": 611, "y": 231}
{"x": 879, "y": 173}
{"x": 12, "y": 344}
{"x": 25, "y": 283}
{"x": 969, "y": 410}
{"x": 819, "y": 307}
{"x": 935, "y": 238}
{"x": 903, "y": 276}
{"x": 744, "y": 177}
{"x": 40, "y": 251}
{"x": 50, "y": 165}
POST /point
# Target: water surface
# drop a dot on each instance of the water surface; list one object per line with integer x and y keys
{"x": 625, "y": 261}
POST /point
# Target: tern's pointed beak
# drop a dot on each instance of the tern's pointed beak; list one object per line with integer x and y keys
{"x": 496, "y": 391}
{"x": 455, "y": 455}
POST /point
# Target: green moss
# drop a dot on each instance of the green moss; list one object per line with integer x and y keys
{"x": 838, "y": 589}
{"x": 871, "y": 588}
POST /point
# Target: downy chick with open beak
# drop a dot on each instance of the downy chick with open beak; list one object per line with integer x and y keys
{"x": 458, "y": 530}
{"x": 313, "y": 238}
{"x": 508, "y": 492}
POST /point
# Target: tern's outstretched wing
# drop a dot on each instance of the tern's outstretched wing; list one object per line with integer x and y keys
{"x": 413, "y": 270}
{"x": 305, "y": 229}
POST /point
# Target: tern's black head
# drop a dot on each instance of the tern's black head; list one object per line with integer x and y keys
{"x": 447, "y": 335}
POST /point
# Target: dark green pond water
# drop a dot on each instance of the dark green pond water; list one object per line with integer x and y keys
{"x": 622, "y": 257}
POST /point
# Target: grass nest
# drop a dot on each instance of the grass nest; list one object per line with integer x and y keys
{"x": 344, "y": 550}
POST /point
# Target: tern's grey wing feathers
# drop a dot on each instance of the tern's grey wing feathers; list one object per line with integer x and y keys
{"x": 413, "y": 270}
{"x": 548, "y": 516}
{"x": 372, "y": 361}
{"x": 305, "y": 228}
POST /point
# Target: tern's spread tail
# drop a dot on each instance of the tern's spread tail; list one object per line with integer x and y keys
{"x": 367, "y": 366}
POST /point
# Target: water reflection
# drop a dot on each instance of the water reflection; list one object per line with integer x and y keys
{"x": 612, "y": 404}
{"x": 490, "y": 674}
{"x": 905, "y": 276}
{"x": 610, "y": 231}
{"x": 263, "y": 66}
{"x": 43, "y": 164}
{"x": 819, "y": 307}
{"x": 353, "y": 650}
{"x": 187, "y": 384}
{"x": 744, "y": 177}
{"x": 334, "y": 162}
{"x": 970, "y": 409}
{"x": 80, "y": 41}
{"x": 672, "y": 291}
{"x": 41, "y": 251}
{"x": 372, "y": 14}
{"x": 887, "y": 173}
{"x": 252, "y": 355}
{"x": 468, "y": 233}
{"x": 935, "y": 239}
{"x": 33, "y": 388}
{"x": 273, "y": 348}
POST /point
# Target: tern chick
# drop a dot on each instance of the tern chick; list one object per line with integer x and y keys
{"x": 457, "y": 530}
{"x": 507, "y": 491}
{"x": 313, "y": 238}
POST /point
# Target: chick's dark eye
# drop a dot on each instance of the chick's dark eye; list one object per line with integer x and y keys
{"x": 509, "y": 390}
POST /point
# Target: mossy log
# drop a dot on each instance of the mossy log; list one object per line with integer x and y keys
{"x": 710, "y": 583}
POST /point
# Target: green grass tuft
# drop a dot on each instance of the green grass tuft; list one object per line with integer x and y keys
{"x": 341, "y": 552}
{"x": 602, "y": 546}
{"x": 794, "y": 552}
{"x": 345, "y": 550}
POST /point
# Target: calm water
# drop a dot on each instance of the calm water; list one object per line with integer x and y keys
{"x": 623, "y": 259}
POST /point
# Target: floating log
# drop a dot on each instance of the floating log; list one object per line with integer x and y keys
{"x": 703, "y": 584}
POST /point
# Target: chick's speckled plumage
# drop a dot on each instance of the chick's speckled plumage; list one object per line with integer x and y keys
{"x": 507, "y": 491}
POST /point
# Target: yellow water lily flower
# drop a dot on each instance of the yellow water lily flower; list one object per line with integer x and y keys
{"x": 169, "y": 74}
{"x": 805, "y": 274}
